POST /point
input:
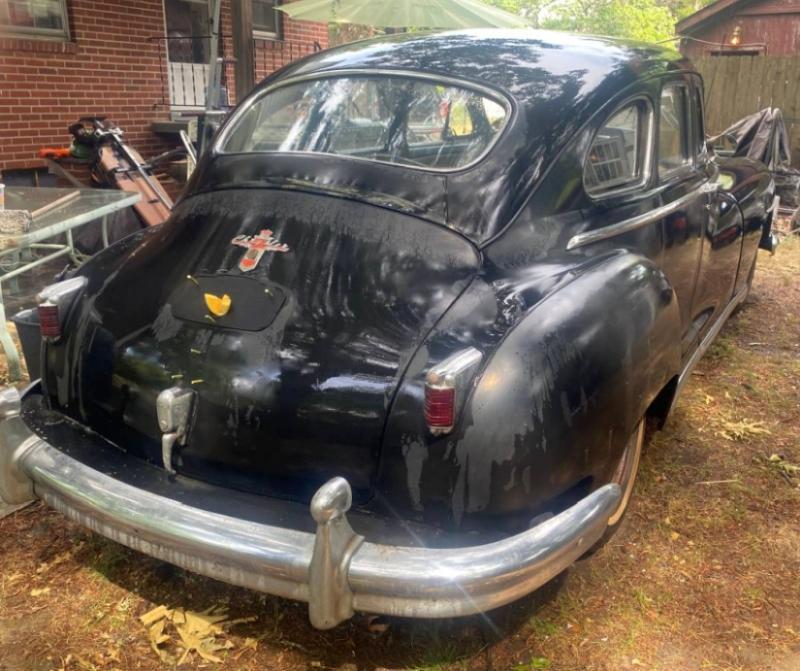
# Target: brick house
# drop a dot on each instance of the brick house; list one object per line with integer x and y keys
{"x": 141, "y": 63}
{"x": 742, "y": 28}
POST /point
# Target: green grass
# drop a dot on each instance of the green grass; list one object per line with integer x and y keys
{"x": 536, "y": 664}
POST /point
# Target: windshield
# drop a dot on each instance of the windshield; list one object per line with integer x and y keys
{"x": 400, "y": 120}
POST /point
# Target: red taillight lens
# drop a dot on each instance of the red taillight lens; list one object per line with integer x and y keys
{"x": 440, "y": 407}
{"x": 442, "y": 384}
{"x": 49, "y": 322}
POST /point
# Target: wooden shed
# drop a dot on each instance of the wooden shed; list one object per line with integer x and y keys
{"x": 742, "y": 28}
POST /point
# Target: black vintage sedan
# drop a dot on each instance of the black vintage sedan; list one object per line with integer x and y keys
{"x": 430, "y": 286}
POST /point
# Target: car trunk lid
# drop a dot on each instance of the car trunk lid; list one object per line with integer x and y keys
{"x": 327, "y": 301}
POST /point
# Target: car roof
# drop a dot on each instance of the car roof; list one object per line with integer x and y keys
{"x": 556, "y": 81}
{"x": 517, "y": 61}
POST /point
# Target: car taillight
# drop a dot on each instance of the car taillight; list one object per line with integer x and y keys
{"x": 440, "y": 407}
{"x": 49, "y": 323}
{"x": 445, "y": 385}
{"x": 54, "y": 304}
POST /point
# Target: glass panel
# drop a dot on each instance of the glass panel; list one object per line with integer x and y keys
{"x": 264, "y": 16}
{"x": 45, "y": 16}
{"x": 672, "y": 134}
{"x": 390, "y": 119}
{"x": 614, "y": 158}
{"x": 73, "y": 212}
{"x": 187, "y": 31}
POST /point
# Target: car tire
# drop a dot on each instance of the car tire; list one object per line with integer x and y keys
{"x": 624, "y": 476}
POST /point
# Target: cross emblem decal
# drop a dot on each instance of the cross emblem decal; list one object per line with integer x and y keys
{"x": 256, "y": 245}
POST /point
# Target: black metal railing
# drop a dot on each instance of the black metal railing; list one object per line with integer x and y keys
{"x": 269, "y": 54}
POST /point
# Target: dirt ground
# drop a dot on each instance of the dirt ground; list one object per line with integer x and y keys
{"x": 704, "y": 575}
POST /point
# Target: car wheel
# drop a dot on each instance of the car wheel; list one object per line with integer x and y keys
{"x": 625, "y": 477}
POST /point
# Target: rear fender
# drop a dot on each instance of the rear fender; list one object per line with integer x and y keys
{"x": 555, "y": 401}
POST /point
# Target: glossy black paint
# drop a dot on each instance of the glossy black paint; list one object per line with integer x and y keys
{"x": 555, "y": 84}
{"x": 390, "y": 270}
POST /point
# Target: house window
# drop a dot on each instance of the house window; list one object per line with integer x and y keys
{"x": 266, "y": 19}
{"x": 41, "y": 18}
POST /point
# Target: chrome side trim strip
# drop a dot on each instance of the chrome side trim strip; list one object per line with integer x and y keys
{"x": 627, "y": 225}
{"x": 709, "y": 339}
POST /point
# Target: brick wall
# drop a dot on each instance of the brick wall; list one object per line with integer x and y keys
{"x": 108, "y": 68}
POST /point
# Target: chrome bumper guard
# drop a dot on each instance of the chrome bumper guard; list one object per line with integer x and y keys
{"x": 335, "y": 570}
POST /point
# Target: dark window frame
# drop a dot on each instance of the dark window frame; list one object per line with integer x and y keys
{"x": 260, "y": 33}
{"x": 41, "y": 33}
{"x": 699, "y": 120}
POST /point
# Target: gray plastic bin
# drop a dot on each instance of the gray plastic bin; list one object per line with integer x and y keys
{"x": 27, "y": 323}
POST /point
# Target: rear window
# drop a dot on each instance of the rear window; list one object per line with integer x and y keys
{"x": 401, "y": 120}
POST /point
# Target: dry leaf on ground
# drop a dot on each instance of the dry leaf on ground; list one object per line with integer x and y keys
{"x": 741, "y": 430}
{"x": 201, "y": 632}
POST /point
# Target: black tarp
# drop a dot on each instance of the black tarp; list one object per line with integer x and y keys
{"x": 762, "y": 136}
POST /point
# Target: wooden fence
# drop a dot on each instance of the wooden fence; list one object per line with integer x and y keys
{"x": 740, "y": 85}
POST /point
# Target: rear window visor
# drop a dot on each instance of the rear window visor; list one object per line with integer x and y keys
{"x": 403, "y": 120}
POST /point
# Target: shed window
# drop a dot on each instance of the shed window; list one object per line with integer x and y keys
{"x": 45, "y": 18}
{"x": 616, "y": 158}
{"x": 673, "y": 129}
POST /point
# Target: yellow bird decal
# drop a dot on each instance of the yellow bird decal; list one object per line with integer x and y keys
{"x": 218, "y": 306}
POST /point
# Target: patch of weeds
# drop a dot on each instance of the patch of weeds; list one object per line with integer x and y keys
{"x": 536, "y": 664}
{"x": 754, "y": 596}
{"x": 568, "y": 605}
{"x": 122, "y": 611}
{"x": 777, "y": 464}
{"x": 106, "y": 557}
{"x": 737, "y": 512}
{"x": 438, "y": 657}
{"x": 643, "y": 601}
{"x": 722, "y": 350}
{"x": 541, "y": 627}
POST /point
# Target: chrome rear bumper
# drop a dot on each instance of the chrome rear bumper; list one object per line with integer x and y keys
{"x": 335, "y": 570}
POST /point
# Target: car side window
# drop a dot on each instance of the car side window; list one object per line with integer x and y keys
{"x": 673, "y": 129}
{"x": 616, "y": 159}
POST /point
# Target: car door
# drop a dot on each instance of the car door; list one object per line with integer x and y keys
{"x": 686, "y": 182}
{"x": 722, "y": 238}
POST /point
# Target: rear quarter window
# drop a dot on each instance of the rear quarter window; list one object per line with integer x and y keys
{"x": 617, "y": 158}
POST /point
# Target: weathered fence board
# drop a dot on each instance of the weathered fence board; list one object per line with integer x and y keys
{"x": 740, "y": 85}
